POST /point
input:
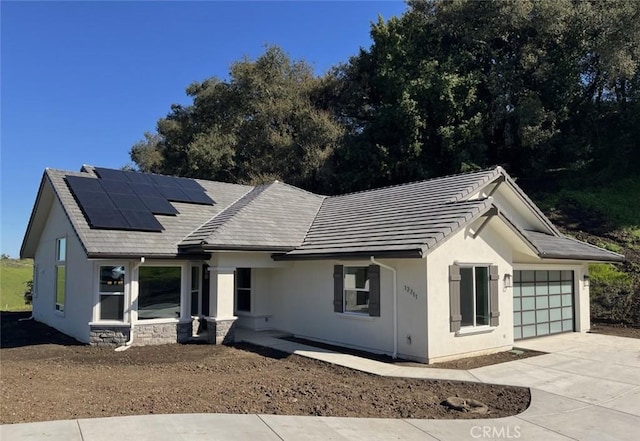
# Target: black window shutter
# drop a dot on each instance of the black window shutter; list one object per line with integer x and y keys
{"x": 338, "y": 288}
{"x": 374, "y": 290}
{"x": 494, "y": 301}
{"x": 454, "y": 298}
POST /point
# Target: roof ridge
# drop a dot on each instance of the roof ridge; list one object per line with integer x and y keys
{"x": 435, "y": 178}
{"x": 297, "y": 188}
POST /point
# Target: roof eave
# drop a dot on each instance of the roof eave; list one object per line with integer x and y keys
{"x": 584, "y": 257}
{"x": 29, "y": 229}
{"x": 207, "y": 248}
{"x": 129, "y": 256}
{"x": 416, "y": 253}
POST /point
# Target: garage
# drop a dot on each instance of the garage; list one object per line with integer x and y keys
{"x": 542, "y": 303}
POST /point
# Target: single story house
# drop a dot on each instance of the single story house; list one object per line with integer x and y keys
{"x": 429, "y": 271}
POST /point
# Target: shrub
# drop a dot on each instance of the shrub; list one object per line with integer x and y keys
{"x": 614, "y": 296}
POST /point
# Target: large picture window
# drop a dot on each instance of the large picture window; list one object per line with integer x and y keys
{"x": 356, "y": 289}
{"x": 159, "y": 292}
{"x": 243, "y": 289}
{"x": 61, "y": 273}
{"x": 112, "y": 292}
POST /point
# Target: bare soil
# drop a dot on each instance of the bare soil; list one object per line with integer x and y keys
{"x": 462, "y": 363}
{"x": 47, "y": 376}
{"x": 620, "y": 330}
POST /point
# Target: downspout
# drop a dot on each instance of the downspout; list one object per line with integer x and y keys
{"x": 395, "y": 304}
{"x": 128, "y": 343}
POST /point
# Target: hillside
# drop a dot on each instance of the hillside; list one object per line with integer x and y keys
{"x": 606, "y": 214}
{"x": 14, "y": 275}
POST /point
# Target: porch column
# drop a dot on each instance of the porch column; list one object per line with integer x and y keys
{"x": 220, "y": 321}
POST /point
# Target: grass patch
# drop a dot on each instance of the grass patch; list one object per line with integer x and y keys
{"x": 613, "y": 297}
{"x": 14, "y": 275}
{"x": 607, "y": 273}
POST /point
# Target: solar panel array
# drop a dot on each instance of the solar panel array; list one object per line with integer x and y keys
{"x": 124, "y": 200}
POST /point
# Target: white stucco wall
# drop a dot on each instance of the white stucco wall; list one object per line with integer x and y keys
{"x": 259, "y": 318}
{"x": 79, "y": 293}
{"x": 489, "y": 249}
{"x": 301, "y": 299}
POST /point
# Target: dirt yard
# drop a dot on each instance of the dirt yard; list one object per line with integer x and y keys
{"x": 47, "y": 376}
{"x": 615, "y": 329}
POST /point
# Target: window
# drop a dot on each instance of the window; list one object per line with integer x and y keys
{"x": 243, "y": 289}
{"x": 159, "y": 292}
{"x": 61, "y": 274}
{"x": 112, "y": 292}
{"x": 473, "y": 296}
{"x": 356, "y": 290}
{"x": 195, "y": 290}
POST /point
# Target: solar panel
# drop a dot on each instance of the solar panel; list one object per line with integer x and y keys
{"x": 147, "y": 190}
{"x": 139, "y": 178}
{"x": 91, "y": 199}
{"x": 198, "y": 196}
{"x": 164, "y": 181}
{"x": 128, "y": 202}
{"x": 120, "y": 187}
{"x": 142, "y": 220}
{"x": 174, "y": 194}
{"x": 158, "y": 205}
{"x": 108, "y": 173}
{"x": 105, "y": 218}
{"x": 187, "y": 183}
{"x": 83, "y": 184}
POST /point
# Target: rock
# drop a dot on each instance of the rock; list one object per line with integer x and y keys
{"x": 466, "y": 405}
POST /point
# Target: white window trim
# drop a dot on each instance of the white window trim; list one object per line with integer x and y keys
{"x": 191, "y": 290}
{"x": 470, "y": 329}
{"x": 60, "y": 308}
{"x": 236, "y": 311}
{"x": 355, "y": 316}
{"x": 36, "y": 282}
{"x": 97, "y": 293}
{"x": 474, "y": 330}
{"x": 352, "y": 314}
{"x": 185, "y": 291}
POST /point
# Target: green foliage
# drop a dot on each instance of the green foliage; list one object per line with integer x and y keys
{"x": 614, "y": 296}
{"x": 617, "y": 200}
{"x": 449, "y": 86}
{"x": 608, "y": 273}
{"x": 264, "y": 123}
{"x": 528, "y": 84}
{"x": 14, "y": 276}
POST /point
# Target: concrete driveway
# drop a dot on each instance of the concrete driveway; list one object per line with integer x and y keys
{"x": 586, "y": 388}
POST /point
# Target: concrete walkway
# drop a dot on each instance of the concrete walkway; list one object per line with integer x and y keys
{"x": 586, "y": 388}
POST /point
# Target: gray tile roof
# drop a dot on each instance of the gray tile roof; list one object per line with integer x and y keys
{"x": 99, "y": 242}
{"x": 405, "y": 220}
{"x": 274, "y": 217}
{"x": 415, "y": 216}
{"x": 562, "y": 247}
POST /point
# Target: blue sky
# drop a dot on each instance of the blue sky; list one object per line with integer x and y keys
{"x": 82, "y": 81}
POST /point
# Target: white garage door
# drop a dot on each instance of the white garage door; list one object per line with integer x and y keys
{"x": 542, "y": 303}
